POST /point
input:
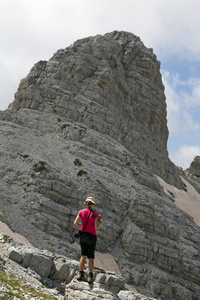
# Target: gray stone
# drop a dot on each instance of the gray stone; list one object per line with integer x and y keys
{"x": 127, "y": 295}
{"x": 41, "y": 264}
{"x": 65, "y": 270}
{"x": 110, "y": 281}
{"x": 82, "y": 290}
{"x": 26, "y": 259}
{"x": 16, "y": 256}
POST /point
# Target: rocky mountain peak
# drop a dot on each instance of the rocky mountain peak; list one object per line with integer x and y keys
{"x": 115, "y": 73}
{"x": 111, "y": 84}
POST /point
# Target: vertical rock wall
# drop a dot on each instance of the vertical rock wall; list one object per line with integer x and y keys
{"x": 112, "y": 84}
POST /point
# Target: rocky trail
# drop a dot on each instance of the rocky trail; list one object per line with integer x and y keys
{"x": 29, "y": 273}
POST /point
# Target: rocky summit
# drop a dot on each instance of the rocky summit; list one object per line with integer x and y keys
{"x": 92, "y": 121}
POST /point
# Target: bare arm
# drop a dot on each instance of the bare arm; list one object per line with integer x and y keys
{"x": 97, "y": 222}
{"x": 76, "y": 221}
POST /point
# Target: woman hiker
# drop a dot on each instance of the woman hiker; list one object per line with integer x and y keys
{"x": 89, "y": 220}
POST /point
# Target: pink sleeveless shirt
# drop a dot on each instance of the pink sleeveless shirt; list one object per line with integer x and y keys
{"x": 90, "y": 227}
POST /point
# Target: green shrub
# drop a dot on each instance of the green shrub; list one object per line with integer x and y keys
{"x": 25, "y": 156}
{"x": 81, "y": 172}
{"x": 77, "y": 162}
{"x": 40, "y": 167}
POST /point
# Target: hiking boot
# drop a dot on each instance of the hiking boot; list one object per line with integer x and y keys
{"x": 81, "y": 276}
{"x": 90, "y": 278}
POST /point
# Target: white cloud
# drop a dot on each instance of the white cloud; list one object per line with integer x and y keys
{"x": 173, "y": 104}
{"x": 183, "y": 100}
{"x": 183, "y": 106}
{"x": 192, "y": 100}
{"x": 167, "y": 25}
{"x": 179, "y": 27}
{"x": 190, "y": 123}
{"x": 185, "y": 155}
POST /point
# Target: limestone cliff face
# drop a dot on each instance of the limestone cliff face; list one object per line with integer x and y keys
{"x": 92, "y": 121}
{"x": 194, "y": 168}
{"x": 113, "y": 85}
{"x": 193, "y": 172}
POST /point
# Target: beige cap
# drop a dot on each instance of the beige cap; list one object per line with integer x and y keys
{"x": 90, "y": 199}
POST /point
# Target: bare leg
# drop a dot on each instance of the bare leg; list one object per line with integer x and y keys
{"x": 91, "y": 264}
{"x": 82, "y": 263}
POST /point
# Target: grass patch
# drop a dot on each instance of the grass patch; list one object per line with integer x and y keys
{"x": 101, "y": 270}
{"x": 81, "y": 173}
{"x": 17, "y": 288}
{"x": 25, "y": 156}
{"x": 6, "y": 238}
{"x": 77, "y": 162}
{"x": 40, "y": 167}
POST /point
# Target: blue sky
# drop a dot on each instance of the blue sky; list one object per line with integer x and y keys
{"x": 35, "y": 30}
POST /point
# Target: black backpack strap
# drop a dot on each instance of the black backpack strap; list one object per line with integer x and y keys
{"x": 86, "y": 221}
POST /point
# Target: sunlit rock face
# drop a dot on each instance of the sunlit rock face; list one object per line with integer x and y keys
{"x": 112, "y": 84}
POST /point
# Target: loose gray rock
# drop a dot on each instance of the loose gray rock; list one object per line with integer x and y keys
{"x": 110, "y": 281}
{"x": 127, "y": 295}
{"x": 63, "y": 276}
{"x": 82, "y": 290}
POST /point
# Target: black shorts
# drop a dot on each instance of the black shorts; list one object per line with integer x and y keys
{"x": 88, "y": 244}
